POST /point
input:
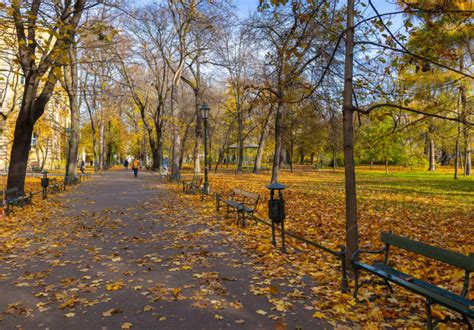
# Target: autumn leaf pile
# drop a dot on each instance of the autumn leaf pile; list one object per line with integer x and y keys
{"x": 434, "y": 210}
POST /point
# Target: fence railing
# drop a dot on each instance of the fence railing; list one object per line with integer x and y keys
{"x": 341, "y": 254}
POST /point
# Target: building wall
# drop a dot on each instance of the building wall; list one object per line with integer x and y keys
{"x": 48, "y": 143}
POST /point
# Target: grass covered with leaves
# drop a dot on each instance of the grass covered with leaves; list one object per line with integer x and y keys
{"x": 429, "y": 207}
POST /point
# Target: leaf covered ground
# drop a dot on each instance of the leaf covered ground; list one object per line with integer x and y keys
{"x": 122, "y": 253}
{"x": 429, "y": 207}
{"x": 119, "y": 252}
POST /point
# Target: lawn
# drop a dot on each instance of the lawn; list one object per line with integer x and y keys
{"x": 418, "y": 204}
{"x": 430, "y": 207}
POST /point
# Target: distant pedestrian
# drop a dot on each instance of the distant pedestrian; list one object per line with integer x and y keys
{"x": 135, "y": 166}
{"x": 83, "y": 166}
{"x": 125, "y": 164}
{"x": 166, "y": 164}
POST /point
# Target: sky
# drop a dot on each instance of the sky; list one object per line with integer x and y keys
{"x": 246, "y": 7}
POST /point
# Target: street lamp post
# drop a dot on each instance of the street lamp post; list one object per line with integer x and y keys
{"x": 205, "y": 115}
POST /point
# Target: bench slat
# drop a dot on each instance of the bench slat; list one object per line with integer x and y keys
{"x": 443, "y": 297}
{"x": 247, "y": 194}
{"x": 433, "y": 252}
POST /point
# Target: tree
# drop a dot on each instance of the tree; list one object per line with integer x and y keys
{"x": 293, "y": 36}
{"x": 41, "y": 64}
{"x": 70, "y": 83}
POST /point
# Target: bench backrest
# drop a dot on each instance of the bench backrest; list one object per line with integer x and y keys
{"x": 253, "y": 196}
{"x": 429, "y": 251}
{"x": 11, "y": 193}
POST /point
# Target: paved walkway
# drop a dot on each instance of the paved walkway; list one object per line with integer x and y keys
{"x": 126, "y": 252}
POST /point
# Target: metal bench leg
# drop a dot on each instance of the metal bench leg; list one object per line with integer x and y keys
{"x": 387, "y": 283}
{"x": 429, "y": 321}
{"x": 227, "y": 212}
{"x": 238, "y": 217}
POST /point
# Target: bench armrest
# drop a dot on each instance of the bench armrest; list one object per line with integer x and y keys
{"x": 365, "y": 251}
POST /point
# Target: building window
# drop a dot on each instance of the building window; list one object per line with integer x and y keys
{"x": 34, "y": 140}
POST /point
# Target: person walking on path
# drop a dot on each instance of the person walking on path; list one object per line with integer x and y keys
{"x": 165, "y": 165}
{"x": 83, "y": 166}
{"x": 135, "y": 166}
{"x": 125, "y": 164}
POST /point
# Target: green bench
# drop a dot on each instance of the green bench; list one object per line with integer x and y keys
{"x": 12, "y": 197}
{"x": 243, "y": 203}
{"x": 55, "y": 186}
{"x": 193, "y": 186}
{"x": 458, "y": 302}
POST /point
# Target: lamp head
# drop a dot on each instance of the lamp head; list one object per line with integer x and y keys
{"x": 205, "y": 111}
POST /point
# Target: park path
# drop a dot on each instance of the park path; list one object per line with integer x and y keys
{"x": 128, "y": 252}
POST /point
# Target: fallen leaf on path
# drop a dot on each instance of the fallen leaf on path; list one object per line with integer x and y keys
{"x": 261, "y": 312}
{"x": 111, "y": 311}
{"x": 114, "y": 286}
{"x": 318, "y": 315}
{"x": 127, "y": 326}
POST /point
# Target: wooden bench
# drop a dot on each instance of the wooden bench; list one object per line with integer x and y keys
{"x": 458, "y": 302}
{"x": 55, "y": 186}
{"x": 13, "y": 198}
{"x": 193, "y": 186}
{"x": 243, "y": 203}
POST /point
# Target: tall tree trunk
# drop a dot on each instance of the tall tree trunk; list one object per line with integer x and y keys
{"x": 278, "y": 142}
{"x": 223, "y": 148}
{"x": 456, "y": 159}
{"x": 334, "y": 158}
{"x": 431, "y": 154}
{"x": 71, "y": 87}
{"x": 175, "y": 136}
{"x": 183, "y": 144}
{"x": 197, "y": 134}
{"x": 289, "y": 156}
{"x": 45, "y": 154}
{"x": 101, "y": 146}
{"x": 19, "y": 155}
{"x": 465, "y": 115}
{"x": 467, "y": 138}
{"x": 258, "y": 159}
{"x": 155, "y": 154}
{"x": 468, "y": 157}
{"x": 352, "y": 232}
{"x": 283, "y": 157}
{"x": 262, "y": 142}
{"x": 240, "y": 126}
{"x": 95, "y": 151}
{"x": 159, "y": 146}
{"x": 22, "y": 139}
